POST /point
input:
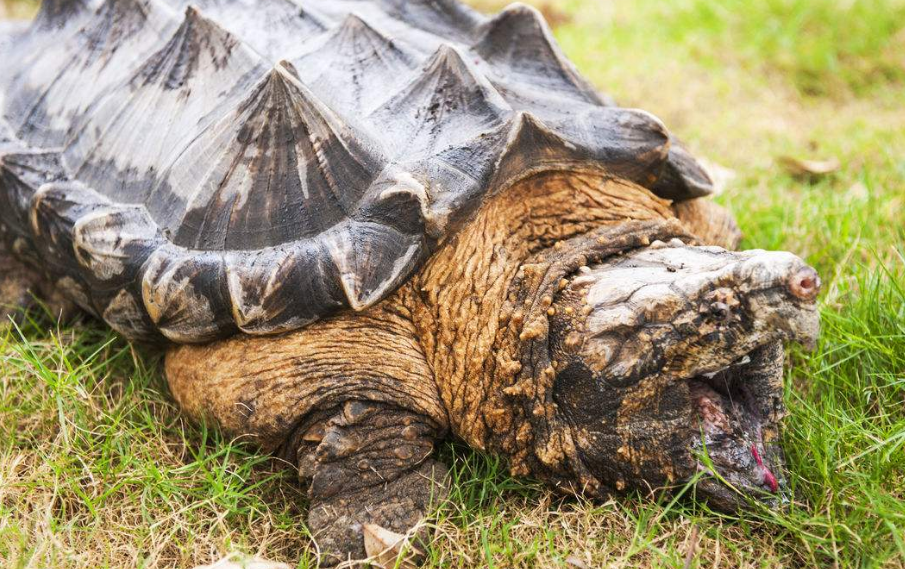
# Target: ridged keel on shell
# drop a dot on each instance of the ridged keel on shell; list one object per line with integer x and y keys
{"x": 278, "y": 168}
{"x": 192, "y": 169}
{"x": 447, "y": 104}
{"x": 351, "y": 62}
{"x": 523, "y": 59}
{"x": 140, "y": 127}
{"x": 276, "y": 29}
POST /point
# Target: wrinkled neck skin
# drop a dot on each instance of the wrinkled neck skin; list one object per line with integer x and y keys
{"x": 486, "y": 296}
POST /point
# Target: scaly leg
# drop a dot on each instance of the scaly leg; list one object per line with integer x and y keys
{"x": 373, "y": 476}
{"x": 351, "y": 401}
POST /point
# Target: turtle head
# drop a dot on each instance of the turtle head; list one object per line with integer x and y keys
{"x": 670, "y": 367}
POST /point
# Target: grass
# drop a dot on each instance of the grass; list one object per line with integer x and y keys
{"x": 98, "y": 469}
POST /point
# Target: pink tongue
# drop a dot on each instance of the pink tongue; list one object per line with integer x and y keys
{"x": 769, "y": 479}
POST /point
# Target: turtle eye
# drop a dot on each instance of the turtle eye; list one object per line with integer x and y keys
{"x": 582, "y": 395}
{"x": 720, "y": 311}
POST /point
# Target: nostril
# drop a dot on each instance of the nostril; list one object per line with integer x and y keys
{"x": 805, "y": 284}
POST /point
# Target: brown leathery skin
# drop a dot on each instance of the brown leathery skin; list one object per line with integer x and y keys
{"x": 265, "y": 387}
{"x": 486, "y": 297}
{"x": 710, "y": 222}
{"x": 464, "y": 286}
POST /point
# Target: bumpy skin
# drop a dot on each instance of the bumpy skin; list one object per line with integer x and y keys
{"x": 672, "y": 348}
{"x": 370, "y": 464}
{"x": 495, "y": 341}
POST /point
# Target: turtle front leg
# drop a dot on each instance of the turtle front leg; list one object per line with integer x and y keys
{"x": 373, "y": 482}
{"x": 351, "y": 402}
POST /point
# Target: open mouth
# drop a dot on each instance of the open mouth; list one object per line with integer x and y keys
{"x": 737, "y": 411}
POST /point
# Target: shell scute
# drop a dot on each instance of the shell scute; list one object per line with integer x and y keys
{"x": 266, "y": 286}
{"x": 112, "y": 243}
{"x": 122, "y": 145}
{"x": 279, "y": 168}
{"x": 58, "y": 84}
{"x": 183, "y": 294}
{"x": 372, "y": 259}
{"x": 523, "y": 57}
{"x": 55, "y": 209}
{"x": 276, "y": 29}
{"x": 195, "y": 168}
{"x": 447, "y": 103}
{"x": 22, "y": 173}
{"x": 353, "y": 61}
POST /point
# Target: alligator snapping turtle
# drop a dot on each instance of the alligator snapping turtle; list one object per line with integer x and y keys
{"x": 361, "y": 226}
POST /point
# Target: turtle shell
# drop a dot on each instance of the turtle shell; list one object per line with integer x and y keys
{"x": 193, "y": 169}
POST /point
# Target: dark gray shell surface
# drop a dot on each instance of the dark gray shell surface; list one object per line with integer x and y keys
{"x": 192, "y": 169}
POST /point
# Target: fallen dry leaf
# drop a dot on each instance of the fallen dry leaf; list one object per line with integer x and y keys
{"x": 238, "y": 561}
{"x": 384, "y": 546}
{"x": 808, "y": 168}
{"x": 858, "y": 191}
{"x": 577, "y": 562}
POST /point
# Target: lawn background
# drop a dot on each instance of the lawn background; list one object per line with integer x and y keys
{"x": 98, "y": 468}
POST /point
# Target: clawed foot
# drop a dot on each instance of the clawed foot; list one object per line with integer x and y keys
{"x": 383, "y": 523}
{"x": 373, "y": 483}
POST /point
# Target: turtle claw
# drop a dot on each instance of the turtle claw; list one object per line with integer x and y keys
{"x": 373, "y": 482}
